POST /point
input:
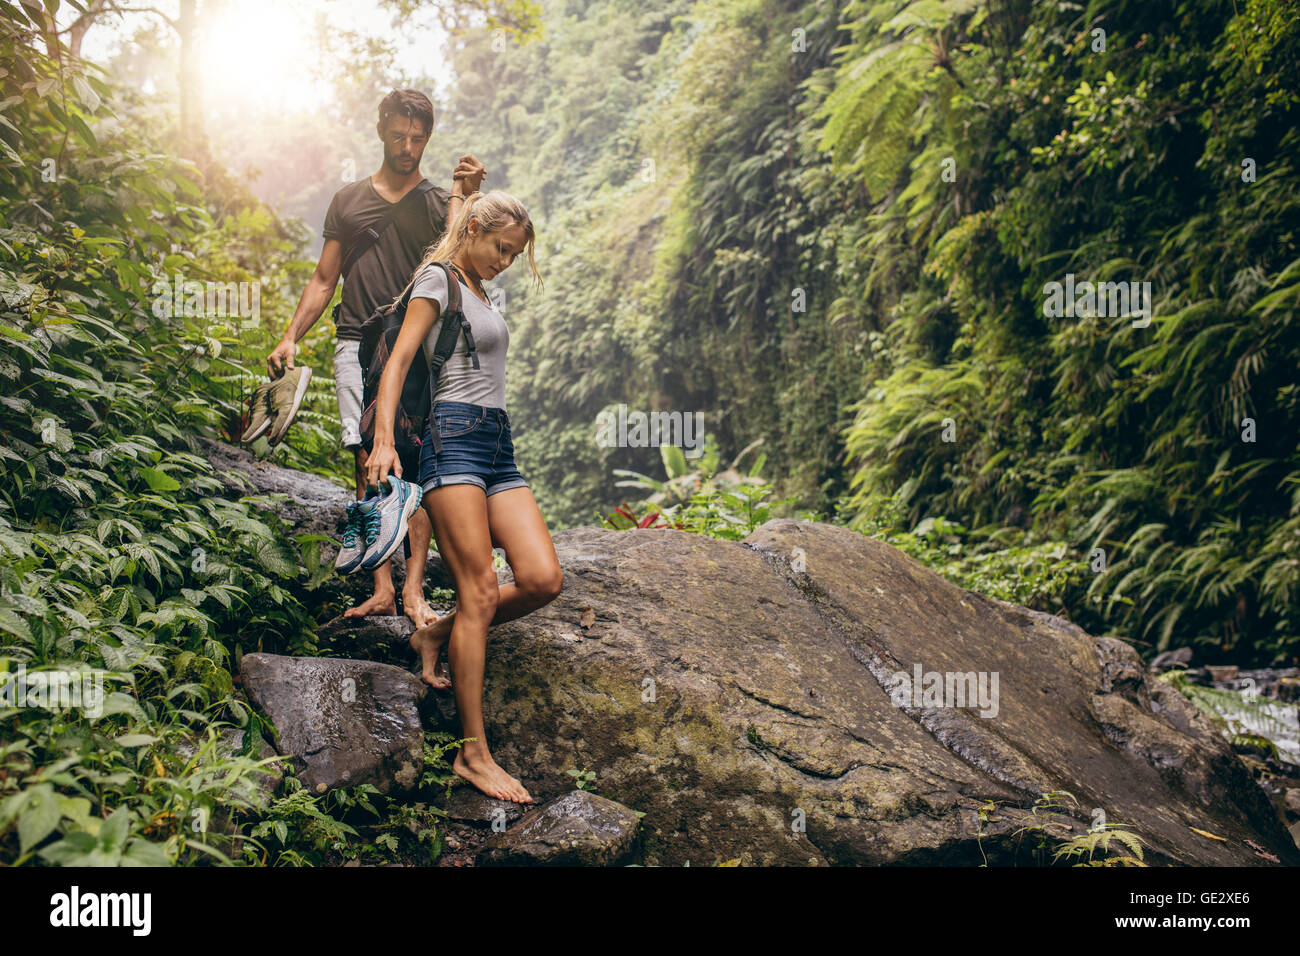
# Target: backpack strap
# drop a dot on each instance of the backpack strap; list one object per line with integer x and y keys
{"x": 370, "y": 235}
{"x": 453, "y": 324}
{"x": 470, "y": 347}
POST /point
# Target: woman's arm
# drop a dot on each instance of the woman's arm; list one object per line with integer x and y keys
{"x": 420, "y": 316}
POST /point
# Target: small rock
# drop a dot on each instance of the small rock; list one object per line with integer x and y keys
{"x": 468, "y": 805}
{"x": 577, "y": 829}
{"x": 1293, "y": 800}
{"x": 1171, "y": 659}
{"x": 1224, "y": 672}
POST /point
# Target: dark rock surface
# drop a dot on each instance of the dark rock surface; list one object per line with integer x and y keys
{"x": 576, "y": 829}
{"x": 746, "y": 707}
{"x": 745, "y": 696}
{"x": 379, "y": 637}
{"x": 343, "y": 722}
{"x": 467, "y": 805}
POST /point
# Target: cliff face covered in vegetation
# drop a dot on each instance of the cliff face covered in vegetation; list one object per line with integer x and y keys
{"x": 832, "y": 228}
{"x": 835, "y": 227}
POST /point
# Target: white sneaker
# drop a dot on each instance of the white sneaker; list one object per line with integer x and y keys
{"x": 386, "y": 524}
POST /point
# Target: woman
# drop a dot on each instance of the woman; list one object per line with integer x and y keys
{"x": 474, "y": 495}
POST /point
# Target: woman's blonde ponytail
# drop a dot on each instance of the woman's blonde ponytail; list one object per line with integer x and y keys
{"x": 494, "y": 211}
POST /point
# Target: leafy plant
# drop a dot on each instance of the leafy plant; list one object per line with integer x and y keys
{"x": 582, "y": 779}
{"x": 1052, "y": 819}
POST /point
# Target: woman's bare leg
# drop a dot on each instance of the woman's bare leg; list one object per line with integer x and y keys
{"x": 460, "y": 524}
{"x": 517, "y": 526}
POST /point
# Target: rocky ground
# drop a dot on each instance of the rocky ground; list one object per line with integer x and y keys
{"x": 796, "y": 698}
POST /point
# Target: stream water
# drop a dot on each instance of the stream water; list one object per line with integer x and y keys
{"x": 1277, "y": 720}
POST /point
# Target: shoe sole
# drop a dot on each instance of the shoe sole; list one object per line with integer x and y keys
{"x": 250, "y": 437}
{"x": 350, "y": 566}
{"x": 293, "y": 407}
{"x": 408, "y": 508}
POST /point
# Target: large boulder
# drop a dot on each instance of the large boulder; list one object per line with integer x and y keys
{"x": 747, "y": 697}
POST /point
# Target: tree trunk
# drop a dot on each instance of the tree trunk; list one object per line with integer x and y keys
{"x": 191, "y": 99}
{"x": 77, "y": 32}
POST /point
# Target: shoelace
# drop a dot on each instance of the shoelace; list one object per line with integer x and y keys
{"x": 352, "y": 529}
{"x": 372, "y": 519}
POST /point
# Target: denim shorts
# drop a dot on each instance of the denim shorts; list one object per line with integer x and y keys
{"x": 476, "y": 449}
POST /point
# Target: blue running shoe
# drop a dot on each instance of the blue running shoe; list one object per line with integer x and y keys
{"x": 354, "y": 545}
{"x": 386, "y": 521}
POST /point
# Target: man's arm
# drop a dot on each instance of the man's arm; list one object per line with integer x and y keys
{"x": 468, "y": 176}
{"x": 317, "y": 295}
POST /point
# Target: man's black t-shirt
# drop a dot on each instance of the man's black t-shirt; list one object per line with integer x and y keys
{"x": 381, "y": 274}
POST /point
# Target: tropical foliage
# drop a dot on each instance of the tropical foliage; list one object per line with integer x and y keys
{"x": 121, "y": 552}
{"x": 830, "y": 227}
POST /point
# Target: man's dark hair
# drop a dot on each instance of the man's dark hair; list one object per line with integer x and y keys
{"x": 410, "y": 103}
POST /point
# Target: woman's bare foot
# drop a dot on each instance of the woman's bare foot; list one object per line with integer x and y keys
{"x": 487, "y": 776}
{"x": 428, "y": 642}
{"x": 379, "y": 603}
{"x": 415, "y": 607}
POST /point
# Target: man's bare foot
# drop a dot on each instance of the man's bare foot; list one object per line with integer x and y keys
{"x": 379, "y": 603}
{"x": 490, "y": 778}
{"x": 415, "y": 607}
{"x": 428, "y": 642}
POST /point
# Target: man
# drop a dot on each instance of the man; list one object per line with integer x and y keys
{"x": 377, "y": 277}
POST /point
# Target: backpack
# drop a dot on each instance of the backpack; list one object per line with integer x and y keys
{"x": 378, "y": 334}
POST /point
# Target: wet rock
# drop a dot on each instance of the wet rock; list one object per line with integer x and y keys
{"x": 1277, "y": 683}
{"x": 343, "y": 722}
{"x": 1222, "y": 672}
{"x": 1288, "y": 688}
{"x": 382, "y": 637}
{"x": 749, "y": 709}
{"x": 467, "y": 805}
{"x": 577, "y": 829}
{"x": 1293, "y": 801}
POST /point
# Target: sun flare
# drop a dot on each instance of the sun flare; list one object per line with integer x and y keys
{"x": 260, "y": 55}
